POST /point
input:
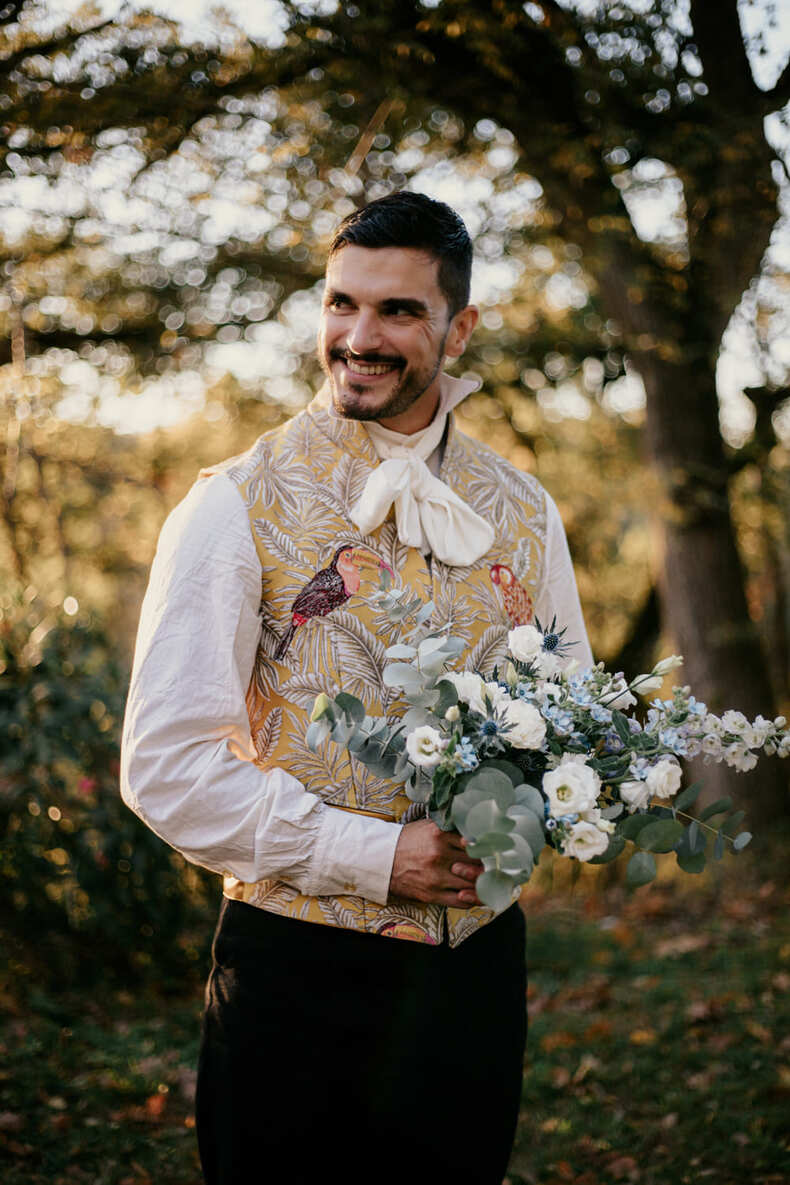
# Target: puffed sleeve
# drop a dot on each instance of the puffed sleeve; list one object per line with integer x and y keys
{"x": 186, "y": 760}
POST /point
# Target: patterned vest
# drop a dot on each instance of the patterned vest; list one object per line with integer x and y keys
{"x": 298, "y": 483}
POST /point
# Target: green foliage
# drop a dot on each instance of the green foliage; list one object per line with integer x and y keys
{"x": 78, "y": 869}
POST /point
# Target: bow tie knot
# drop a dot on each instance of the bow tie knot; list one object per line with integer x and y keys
{"x": 428, "y": 514}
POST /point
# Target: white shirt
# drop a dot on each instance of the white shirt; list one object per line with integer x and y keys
{"x": 186, "y": 760}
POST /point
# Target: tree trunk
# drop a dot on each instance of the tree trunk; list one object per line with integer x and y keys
{"x": 703, "y": 581}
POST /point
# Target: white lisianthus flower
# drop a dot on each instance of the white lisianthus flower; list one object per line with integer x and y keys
{"x": 622, "y": 696}
{"x": 528, "y": 726}
{"x": 647, "y": 684}
{"x": 585, "y": 841}
{"x": 469, "y": 687}
{"x": 525, "y": 642}
{"x": 664, "y": 778}
{"x": 668, "y": 664}
{"x": 572, "y": 787}
{"x": 595, "y": 817}
{"x": 425, "y": 746}
{"x": 452, "y": 714}
{"x": 634, "y": 794}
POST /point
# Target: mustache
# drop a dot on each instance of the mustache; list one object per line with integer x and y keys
{"x": 339, "y": 355}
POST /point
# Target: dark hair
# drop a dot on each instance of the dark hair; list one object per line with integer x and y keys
{"x": 407, "y": 219}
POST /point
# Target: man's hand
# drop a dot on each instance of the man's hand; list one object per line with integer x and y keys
{"x": 432, "y": 866}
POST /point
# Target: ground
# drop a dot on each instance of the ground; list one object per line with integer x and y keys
{"x": 659, "y": 1048}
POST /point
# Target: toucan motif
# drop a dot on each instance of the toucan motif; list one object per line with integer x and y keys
{"x": 517, "y": 601}
{"x": 330, "y": 588}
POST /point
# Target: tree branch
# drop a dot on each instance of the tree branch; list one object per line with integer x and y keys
{"x": 727, "y": 72}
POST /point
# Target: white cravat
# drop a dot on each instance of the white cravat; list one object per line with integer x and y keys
{"x": 429, "y": 515}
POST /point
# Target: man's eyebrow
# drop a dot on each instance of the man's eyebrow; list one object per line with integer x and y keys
{"x": 410, "y": 304}
{"x": 332, "y": 294}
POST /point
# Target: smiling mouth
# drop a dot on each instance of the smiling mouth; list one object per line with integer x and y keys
{"x": 362, "y": 369}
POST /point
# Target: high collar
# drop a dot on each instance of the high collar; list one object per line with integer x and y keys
{"x": 353, "y": 437}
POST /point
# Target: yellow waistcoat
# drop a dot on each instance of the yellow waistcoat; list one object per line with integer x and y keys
{"x": 299, "y": 483}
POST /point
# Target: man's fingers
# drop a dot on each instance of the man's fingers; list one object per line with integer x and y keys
{"x": 469, "y": 872}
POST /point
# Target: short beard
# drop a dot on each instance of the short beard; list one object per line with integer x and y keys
{"x": 399, "y": 402}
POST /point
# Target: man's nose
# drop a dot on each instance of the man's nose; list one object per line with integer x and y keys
{"x": 365, "y": 334}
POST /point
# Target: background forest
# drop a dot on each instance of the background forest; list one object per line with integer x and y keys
{"x": 167, "y": 191}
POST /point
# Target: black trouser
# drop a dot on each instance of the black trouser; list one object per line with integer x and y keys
{"x": 332, "y": 1054}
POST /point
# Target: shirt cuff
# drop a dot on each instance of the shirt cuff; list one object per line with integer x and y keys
{"x": 353, "y": 855}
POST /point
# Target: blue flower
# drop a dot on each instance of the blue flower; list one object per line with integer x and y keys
{"x": 600, "y": 714}
{"x": 466, "y": 756}
{"x": 490, "y": 728}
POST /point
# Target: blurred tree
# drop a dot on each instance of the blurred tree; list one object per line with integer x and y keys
{"x": 570, "y": 117}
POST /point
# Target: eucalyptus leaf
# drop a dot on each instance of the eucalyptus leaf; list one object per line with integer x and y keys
{"x": 401, "y": 674}
{"x": 693, "y": 862}
{"x": 616, "y": 845}
{"x": 716, "y": 808}
{"x": 733, "y": 823}
{"x": 448, "y": 696}
{"x": 489, "y": 844}
{"x": 531, "y": 797}
{"x": 660, "y": 836}
{"x": 518, "y": 860}
{"x": 612, "y": 812}
{"x": 430, "y": 644}
{"x": 399, "y": 650}
{"x": 425, "y": 613}
{"x": 529, "y": 828}
{"x": 631, "y": 826}
{"x": 496, "y": 784}
{"x": 741, "y": 840}
{"x": 688, "y": 796}
{"x": 641, "y": 869}
{"x": 718, "y": 847}
{"x": 506, "y": 767}
{"x": 486, "y": 816}
{"x": 496, "y": 889}
{"x": 462, "y": 805}
{"x": 621, "y": 727}
{"x": 317, "y": 732}
{"x": 351, "y": 706}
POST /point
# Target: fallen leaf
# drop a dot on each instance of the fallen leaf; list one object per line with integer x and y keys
{"x": 642, "y": 1036}
{"x": 11, "y": 1122}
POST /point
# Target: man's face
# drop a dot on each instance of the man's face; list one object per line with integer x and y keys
{"x": 384, "y": 333}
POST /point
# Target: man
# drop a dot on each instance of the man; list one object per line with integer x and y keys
{"x": 365, "y": 1016}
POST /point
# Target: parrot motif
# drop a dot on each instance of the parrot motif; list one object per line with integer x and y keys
{"x": 330, "y": 588}
{"x": 517, "y": 601}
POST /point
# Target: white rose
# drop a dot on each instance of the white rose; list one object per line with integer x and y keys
{"x": 528, "y": 726}
{"x": 664, "y": 778}
{"x": 525, "y": 642}
{"x": 571, "y": 787}
{"x": 425, "y": 746}
{"x": 469, "y": 687}
{"x": 634, "y": 795}
{"x": 585, "y": 841}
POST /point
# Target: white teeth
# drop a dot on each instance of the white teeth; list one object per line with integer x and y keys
{"x": 368, "y": 367}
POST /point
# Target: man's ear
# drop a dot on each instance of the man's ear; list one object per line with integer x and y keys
{"x": 460, "y": 331}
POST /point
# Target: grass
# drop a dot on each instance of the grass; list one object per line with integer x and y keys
{"x": 659, "y": 1050}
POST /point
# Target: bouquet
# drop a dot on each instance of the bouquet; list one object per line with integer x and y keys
{"x": 541, "y": 753}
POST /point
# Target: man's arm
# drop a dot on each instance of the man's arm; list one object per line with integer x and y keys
{"x": 558, "y": 595}
{"x": 186, "y": 763}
